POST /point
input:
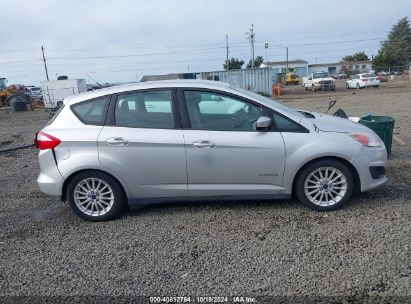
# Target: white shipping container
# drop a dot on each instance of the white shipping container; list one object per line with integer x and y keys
{"x": 256, "y": 80}
{"x": 56, "y": 90}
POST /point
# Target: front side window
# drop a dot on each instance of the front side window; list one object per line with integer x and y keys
{"x": 284, "y": 124}
{"x": 150, "y": 109}
{"x": 92, "y": 112}
{"x": 218, "y": 112}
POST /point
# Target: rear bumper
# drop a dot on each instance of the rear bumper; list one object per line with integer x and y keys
{"x": 50, "y": 180}
{"x": 50, "y": 184}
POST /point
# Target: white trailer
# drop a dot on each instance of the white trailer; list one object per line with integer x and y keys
{"x": 56, "y": 90}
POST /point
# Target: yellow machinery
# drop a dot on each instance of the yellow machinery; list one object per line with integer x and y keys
{"x": 7, "y": 93}
{"x": 4, "y": 91}
{"x": 291, "y": 77}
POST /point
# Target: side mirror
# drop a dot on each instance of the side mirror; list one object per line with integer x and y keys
{"x": 263, "y": 123}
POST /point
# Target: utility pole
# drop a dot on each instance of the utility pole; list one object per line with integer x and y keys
{"x": 286, "y": 61}
{"x": 226, "y": 46}
{"x": 250, "y": 38}
{"x": 45, "y": 65}
{"x": 266, "y": 52}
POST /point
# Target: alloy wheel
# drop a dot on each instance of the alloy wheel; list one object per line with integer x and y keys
{"x": 325, "y": 186}
{"x": 93, "y": 196}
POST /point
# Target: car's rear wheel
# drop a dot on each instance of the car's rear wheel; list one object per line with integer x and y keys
{"x": 357, "y": 86}
{"x": 95, "y": 196}
{"x": 347, "y": 86}
{"x": 324, "y": 185}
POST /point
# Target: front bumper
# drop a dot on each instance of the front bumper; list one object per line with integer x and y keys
{"x": 367, "y": 158}
{"x": 325, "y": 86}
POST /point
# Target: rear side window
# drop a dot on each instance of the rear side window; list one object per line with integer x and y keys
{"x": 150, "y": 109}
{"x": 92, "y": 112}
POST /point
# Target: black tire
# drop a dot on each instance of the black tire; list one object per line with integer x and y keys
{"x": 119, "y": 197}
{"x": 305, "y": 88}
{"x": 306, "y": 171}
{"x": 358, "y": 86}
{"x": 347, "y": 86}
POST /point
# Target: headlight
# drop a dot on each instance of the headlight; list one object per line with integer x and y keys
{"x": 366, "y": 139}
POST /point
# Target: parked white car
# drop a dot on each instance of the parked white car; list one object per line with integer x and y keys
{"x": 359, "y": 81}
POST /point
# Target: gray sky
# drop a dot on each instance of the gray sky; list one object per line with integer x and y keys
{"x": 123, "y": 40}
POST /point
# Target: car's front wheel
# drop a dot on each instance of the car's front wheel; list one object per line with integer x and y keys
{"x": 95, "y": 196}
{"x": 324, "y": 185}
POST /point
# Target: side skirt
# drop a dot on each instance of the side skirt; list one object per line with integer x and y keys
{"x": 137, "y": 202}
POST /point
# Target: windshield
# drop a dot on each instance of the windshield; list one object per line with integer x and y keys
{"x": 271, "y": 102}
{"x": 321, "y": 75}
{"x": 35, "y": 89}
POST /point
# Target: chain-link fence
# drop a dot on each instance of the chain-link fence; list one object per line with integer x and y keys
{"x": 389, "y": 72}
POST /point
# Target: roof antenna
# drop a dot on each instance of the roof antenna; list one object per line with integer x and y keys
{"x": 94, "y": 81}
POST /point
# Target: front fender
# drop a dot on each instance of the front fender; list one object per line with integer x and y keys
{"x": 301, "y": 148}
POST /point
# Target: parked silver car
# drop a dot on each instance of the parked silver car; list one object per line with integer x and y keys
{"x": 197, "y": 140}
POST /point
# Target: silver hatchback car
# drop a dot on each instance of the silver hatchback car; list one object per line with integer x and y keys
{"x": 198, "y": 140}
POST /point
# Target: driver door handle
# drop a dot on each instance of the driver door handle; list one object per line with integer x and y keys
{"x": 117, "y": 141}
{"x": 204, "y": 144}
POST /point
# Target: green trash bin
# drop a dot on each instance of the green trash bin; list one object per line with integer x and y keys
{"x": 383, "y": 126}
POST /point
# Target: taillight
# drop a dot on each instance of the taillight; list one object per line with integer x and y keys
{"x": 44, "y": 141}
{"x": 378, "y": 77}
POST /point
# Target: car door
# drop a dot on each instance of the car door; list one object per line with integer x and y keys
{"x": 350, "y": 82}
{"x": 226, "y": 155}
{"x": 142, "y": 143}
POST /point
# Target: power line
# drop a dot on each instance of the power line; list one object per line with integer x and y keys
{"x": 138, "y": 55}
{"x": 192, "y": 51}
{"x": 306, "y": 37}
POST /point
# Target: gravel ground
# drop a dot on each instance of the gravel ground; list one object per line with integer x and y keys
{"x": 360, "y": 253}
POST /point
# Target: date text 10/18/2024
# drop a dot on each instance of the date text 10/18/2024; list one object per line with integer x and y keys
{"x": 204, "y": 299}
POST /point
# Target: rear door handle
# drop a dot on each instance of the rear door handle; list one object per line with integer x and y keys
{"x": 117, "y": 141}
{"x": 204, "y": 144}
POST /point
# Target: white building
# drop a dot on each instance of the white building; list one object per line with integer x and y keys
{"x": 301, "y": 66}
{"x": 341, "y": 67}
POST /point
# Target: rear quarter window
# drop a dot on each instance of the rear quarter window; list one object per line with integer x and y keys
{"x": 92, "y": 112}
